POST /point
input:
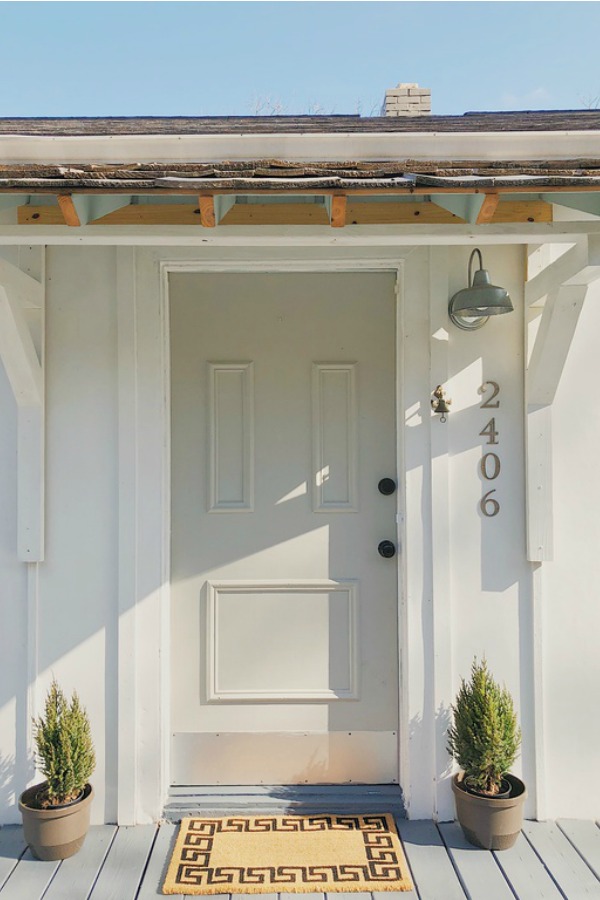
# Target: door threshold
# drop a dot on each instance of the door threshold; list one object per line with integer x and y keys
{"x": 302, "y": 799}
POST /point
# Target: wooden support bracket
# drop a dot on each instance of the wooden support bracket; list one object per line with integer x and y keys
{"x": 81, "y": 209}
{"x": 338, "y": 211}
{"x": 207, "y": 211}
{"x": 488, "y": 209}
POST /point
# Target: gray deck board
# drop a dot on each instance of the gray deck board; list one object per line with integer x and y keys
{"x": 433, "y": 874}
{"x": 154, "y": 875}
{"x": 122, "y": 872}
{"x": 12, "y": 847}
{"x": 525, "y": 873}
{"x": 551, "y": 861}
{"x": 395, "y": 895}
{"x": 29, "y": 879}
{"x": 573, "y": 877}
{"x": 585, "y": 837}
{"x": 477, "y": 869}
{"x": 77, "y": 875}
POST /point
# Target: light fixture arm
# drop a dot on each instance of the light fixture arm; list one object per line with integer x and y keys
{"x": 478, "y": 252}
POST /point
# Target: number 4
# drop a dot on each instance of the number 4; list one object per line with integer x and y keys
{"x": 490, "y": 432}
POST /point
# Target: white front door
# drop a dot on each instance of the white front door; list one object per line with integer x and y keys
{"x": 284, "y": 614}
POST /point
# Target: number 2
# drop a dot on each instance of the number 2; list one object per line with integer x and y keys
{"x": 489, "y": 404}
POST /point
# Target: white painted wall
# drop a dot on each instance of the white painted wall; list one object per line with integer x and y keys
{"x": 468, "y": 587}
{"x": 78, "y": 580}
{"x": 570, "y": 596}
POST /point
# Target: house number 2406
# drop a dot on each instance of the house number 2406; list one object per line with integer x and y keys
{"x": 490, "y": 462}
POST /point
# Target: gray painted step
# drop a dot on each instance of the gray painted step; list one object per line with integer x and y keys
{"x": 77, "y": 875}
{"x": 433, "y": 874}
{"x": 278, "y": 800}
{"x": 122, "y": 872}
{"x": 477, "y": 869}
{"x": 12, "y": 847}
{"x": 585, "y": 837}
{"x": 573, "y": 877}
{"x": 525, "y": 873}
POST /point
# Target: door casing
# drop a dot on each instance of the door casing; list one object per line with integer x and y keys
{"x": 148, "y": 317}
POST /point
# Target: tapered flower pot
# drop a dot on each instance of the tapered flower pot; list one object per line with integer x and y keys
{"x": 489, "y": 822}
{"x": 59, "y": 832}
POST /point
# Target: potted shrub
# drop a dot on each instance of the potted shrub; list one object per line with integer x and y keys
{"x": 484, "y": 739}
{"x": 56, "y": 812}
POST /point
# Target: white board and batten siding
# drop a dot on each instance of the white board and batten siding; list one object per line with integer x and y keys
{"x": 473, "y": 595}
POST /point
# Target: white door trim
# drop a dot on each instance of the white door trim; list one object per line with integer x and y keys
{"x": 144, "y": 518}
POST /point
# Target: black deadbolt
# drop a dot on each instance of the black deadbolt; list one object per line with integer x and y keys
{"x": 387, "y": 486}
{"x": 387, "y": 549}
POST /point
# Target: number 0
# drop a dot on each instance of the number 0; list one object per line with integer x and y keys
{"x": 489, "y": 506}
{"x": 485, "y": 469}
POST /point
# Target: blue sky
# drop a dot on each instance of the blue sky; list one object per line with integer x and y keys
{"x": 231, "y": 58}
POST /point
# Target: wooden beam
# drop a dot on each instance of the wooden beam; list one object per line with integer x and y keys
{"x": 488, "y": 209}
{"x": 405, "y": 212}
{"x": 338, "y": 210}
{"x": 466, "y": 206}
{"x": 588, "y": 202}
{"x": 276, "y": 214}
{"x": 10, "y": 201}
{"x": 67, "y": 206}
{"x": 97, "y": 207}
{"x": 207, "y": 211}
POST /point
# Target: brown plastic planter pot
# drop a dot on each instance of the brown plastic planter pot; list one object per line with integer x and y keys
{"x": 488, "y": 822}
{"x": 55, "y": 833}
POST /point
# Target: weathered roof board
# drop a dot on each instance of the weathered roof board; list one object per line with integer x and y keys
{"x": 545, "y": 120}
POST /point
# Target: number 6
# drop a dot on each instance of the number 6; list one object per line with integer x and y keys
{"x": 489, "y": 506}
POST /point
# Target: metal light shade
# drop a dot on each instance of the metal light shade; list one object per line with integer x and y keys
{"x": 478, "y": 301}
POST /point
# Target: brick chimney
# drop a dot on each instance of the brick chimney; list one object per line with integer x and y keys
{"x": 408, "y": 99}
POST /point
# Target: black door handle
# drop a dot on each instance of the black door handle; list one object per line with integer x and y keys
{"x": 387, "y": 549}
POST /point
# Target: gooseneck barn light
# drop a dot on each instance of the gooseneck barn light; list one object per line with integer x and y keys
{"x": 471, "y": 308}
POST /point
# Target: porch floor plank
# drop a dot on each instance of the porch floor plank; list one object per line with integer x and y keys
{"x": 477, "y": 870}
{"x": 77, "y": 875}
{"x": 550, "y": 861}
{"x": 122, "y": 872}
{"x": 585, "y": 837}
{"x": 29, "y": 879}
{"x": 525, "y": 873}
{"x": 574, "y": 878}
{"x": 12, "y": 848}
{"x": 433, "y": 873}
{"x": 154, "y": 875}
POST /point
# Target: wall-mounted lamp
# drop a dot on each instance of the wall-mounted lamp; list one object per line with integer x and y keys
{"x": 471, "y": 308}
{"x": 440, "y": 403}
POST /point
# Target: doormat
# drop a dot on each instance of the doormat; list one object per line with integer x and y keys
{"x": 287, "y": 854}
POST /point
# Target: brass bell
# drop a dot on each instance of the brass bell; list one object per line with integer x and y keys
{"x": 440, "y": 403}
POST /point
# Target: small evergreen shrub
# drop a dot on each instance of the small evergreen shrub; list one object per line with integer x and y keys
{"x": 484, "y": 738}
{"x": 64, "y": 745}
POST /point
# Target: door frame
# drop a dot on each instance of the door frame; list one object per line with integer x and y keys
{"x": 144, "y": 508}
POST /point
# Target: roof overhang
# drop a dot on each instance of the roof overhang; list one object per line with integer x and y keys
{"x": 299, "y": 147}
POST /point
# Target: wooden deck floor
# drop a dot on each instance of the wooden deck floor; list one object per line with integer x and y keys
{"x": 550, "y": 860}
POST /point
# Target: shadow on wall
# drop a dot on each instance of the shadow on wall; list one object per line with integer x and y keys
{"x": 7, "y": 781}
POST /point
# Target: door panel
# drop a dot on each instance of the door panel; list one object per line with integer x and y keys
{"x": 284, "y": 616}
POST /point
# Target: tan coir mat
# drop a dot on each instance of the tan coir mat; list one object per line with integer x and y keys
{"x": 287, "y": 854}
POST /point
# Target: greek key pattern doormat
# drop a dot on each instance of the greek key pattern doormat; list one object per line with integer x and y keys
{"x": 287, "y": 854}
